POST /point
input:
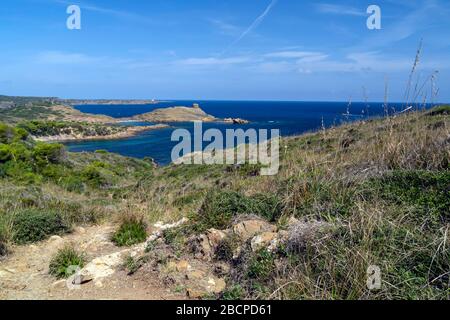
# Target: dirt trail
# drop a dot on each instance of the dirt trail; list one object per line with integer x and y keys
{"x": 24, "y": 274}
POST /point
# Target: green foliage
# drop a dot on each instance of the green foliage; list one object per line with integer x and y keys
{"x": 65, "y": 262}
{"x": 261, "y": 265}
{"x": 219, "y": 208}
{"x": 427, "y": 192}
{"x": 131, "y": 231}
{"x": 227, "y": 247}
{"x": 132, "y": 265}
{"x": 48, "y": 153}
{"x": 441, "y": 110}
{"x": 40, "y": 128}
{"x": 235, "y": 292}
{"x": 3, "y": 241}
{"x": 33, "y": 225}
{"x": 9, "y": 134}
{"x": 176, "y": 237}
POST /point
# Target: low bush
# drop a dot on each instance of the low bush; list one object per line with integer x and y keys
{"x": 3, "y": 242}
{"x": 66, "y": 262}
{"x": 219, "y": 208}
{"x": 131, "y": 231}
{"x": 235, "y": 292}
{"x": 33, "y": 225}
{"x": 441, "y": 110}
{"x": 261, "y": 265}
{"x": 47, "y": 153}
{"x": 426, "y": 192}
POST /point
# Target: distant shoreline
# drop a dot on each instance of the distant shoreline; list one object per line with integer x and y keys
{"x": 128, "y": 133}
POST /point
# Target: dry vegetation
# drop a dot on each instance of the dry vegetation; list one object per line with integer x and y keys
{"x": 381, "y": 187}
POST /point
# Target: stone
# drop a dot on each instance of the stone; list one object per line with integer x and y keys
{"x": 262, "y": 240}
{"x": 292, "y": 220}
{"x": 80, "y": 230}
{"x": 200, "y": 247}
{"x": 55, "y": 238}
{"x": 249, "y": 228}
{"x": 179, "y": 266}
{"x": 222, "y": 269}
{"x": 215, "y": 237}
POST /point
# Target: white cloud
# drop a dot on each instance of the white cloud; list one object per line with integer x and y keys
{"x": 340, "y": 10}
{"x": 211, "y": 61}
{"x": 225, "y": 27}
{"x": 292, "y": 54}
{"x": 59, "y": 57}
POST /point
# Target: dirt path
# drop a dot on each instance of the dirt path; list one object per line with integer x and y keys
{"x": 24, "y": 274}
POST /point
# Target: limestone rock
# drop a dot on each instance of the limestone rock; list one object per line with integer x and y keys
{"x": 262, "y": 240}
{"x": 249, "y": 228}
{"x": 204, "y": 246}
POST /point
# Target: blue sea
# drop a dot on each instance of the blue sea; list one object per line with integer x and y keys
{"x": 291, "y": 118}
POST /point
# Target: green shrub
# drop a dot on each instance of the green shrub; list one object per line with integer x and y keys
{"x": 65, "y": 262}
{"x": 426, "y": 191}
{"x": 97, "y": 176}
{"x": 47, "y": 153}
{"x": 261, "y": 265}
{"x": 9, "y": 134}
{"x": 226, "y": 248}
{"x": 441, "y": 110}
{"x": 219, "y": 208}
{"x": 21, "y": 172}
{"x": 3, "y": 242}
{"x": 5, "y": 153}
{"x": 235, "y": 292}
{"x": 131, "y": 231}
{"x": 33, "y": 225}
{"x": 132, "y": 265}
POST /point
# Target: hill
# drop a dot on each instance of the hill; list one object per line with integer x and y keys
{"x": 176, "y": 114}
{"x": 370, "y": 195}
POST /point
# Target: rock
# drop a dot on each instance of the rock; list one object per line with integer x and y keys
{"x": 161, "y": 226}
{"x": 196, "y": 275}
{"x": 215, "y": 237}
{"x": 204, "y": 245}
{"x": 235, "y": 121}
{"x": 180, "y": 266}
{"x": 200, "y": 247}
{"x": 249, "y": 228}
{"x": 202, "y": 285}
{"x": 80, "y": 230}
{"x": 262, "y": 240}
{"x": 292, "y": 220}
{"x": 55, "y": 238}
{"x": 222, "y": 269}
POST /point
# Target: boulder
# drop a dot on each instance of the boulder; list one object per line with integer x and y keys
{"x": 249, "y": 228}
{"x": 204, "y": 246}
{"x": 262, "y": 240}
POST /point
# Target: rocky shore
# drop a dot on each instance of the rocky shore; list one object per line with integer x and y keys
{"x": 126, "y": 133}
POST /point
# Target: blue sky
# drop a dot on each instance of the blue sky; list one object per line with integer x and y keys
{"x": 227, "y": 49}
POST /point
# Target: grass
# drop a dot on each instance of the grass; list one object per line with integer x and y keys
{"x": 65, "y": 262}
{"x": 131, "y": 231}
{"x": 261, "y": 265}
{"x": 219, "y": 208}
{"x": 381, "y": 185}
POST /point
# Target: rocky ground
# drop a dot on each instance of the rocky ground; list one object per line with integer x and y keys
{"x": 24, "y": 274}
{"x": 160, "y": 270}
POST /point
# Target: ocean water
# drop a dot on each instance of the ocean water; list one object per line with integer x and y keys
{"x": 291, "y": 118}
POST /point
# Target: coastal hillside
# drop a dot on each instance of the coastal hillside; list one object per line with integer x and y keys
{"x": 16, "y": 109}
{"x": 176, "y": 114}
{"x": 368, "y": 195}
